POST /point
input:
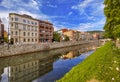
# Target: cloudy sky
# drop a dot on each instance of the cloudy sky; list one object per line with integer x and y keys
{"x": 82, "y": 15}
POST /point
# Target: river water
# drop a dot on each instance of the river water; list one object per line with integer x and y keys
{"x": 46, "y": 66}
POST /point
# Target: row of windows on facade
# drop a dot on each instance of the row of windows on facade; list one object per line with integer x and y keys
{"x": 41, "y": 35}
{"x": 24, "y": 21}
{"x": 24, "y": 33}
{"x": 45, "y": 32}
{"x": 24, "y": 66}
{"x": 43, "y": 27}
{"x": 26, "y": 40}
{"x": 25, "y": 27}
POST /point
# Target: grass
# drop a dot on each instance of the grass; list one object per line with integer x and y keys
{"x": 102, "y": 66}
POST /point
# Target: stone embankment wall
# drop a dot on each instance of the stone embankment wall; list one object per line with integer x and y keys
{"x": 29, "y": 48}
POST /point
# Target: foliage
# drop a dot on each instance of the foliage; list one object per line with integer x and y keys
{"x": 56, "y": 37}
{"x": 112, "y": 13}
{"x": 103, "y": 65}
{"x": 67, "y": 38}
{"x": 5, "y": 39}
{"x": 116, "y": 32}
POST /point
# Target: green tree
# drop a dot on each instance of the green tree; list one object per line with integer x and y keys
{"x": 112, "y": 13}
{"x": 56, "y": 37}
{"x": 5, "y": 39}
{"x": 67, "y": 38}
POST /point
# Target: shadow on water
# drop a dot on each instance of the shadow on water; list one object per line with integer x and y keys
{"x": 46, "y": 66}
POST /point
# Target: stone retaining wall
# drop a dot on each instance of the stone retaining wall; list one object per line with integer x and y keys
{"x": 28, "y": 48}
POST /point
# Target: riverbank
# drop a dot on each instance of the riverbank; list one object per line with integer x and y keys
{"x": 30, "y": 48}
{"x": 102, "y": 66}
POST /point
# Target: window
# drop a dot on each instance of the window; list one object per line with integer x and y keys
{"x": 28, "y": 34}
{"x": 16, "y": 26}
{"x": 32, "y": 34}
{"x": 35, "y": 34}
{"x": 16, "y": 40}
{"x": 28, "y": 40}
{"x": 32, "y": 40}
{"x": 24, "y": 21}
{"x": 11, "y": 24}
{"x": 24, "y": 40}
{"x": 16, "y": 33}
{"x": 35, "y": 23}
{"x": 35, "y": 28}
{"x": 12, "y": 18}
{"x": 24, "y": 27}
{"x": 31, "y": 22}
{"x": 12, "y": 32}
{"x": 28, "y": 27}
{"x": 28, "y": 22}
{"x": 32, "y": 28}
{"x": 36, "y": 40}
{"x": 16, "y": 19}
{"x": 24, "y": 33}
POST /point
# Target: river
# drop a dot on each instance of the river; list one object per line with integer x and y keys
{"x": 45, "y": 66}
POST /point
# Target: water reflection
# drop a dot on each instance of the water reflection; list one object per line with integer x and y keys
{"x": 27, "y": 71}
{"x": 30, "y": 67}
{"x": 70, "y": 54}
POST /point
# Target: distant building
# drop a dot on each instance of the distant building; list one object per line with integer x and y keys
{"x": 46, "y": 30}
{"x": 73, "y": 35}
{"x": 5, "y": 34}
{"x": 61, "y": 31}
{"x": 1, "y": 32}
{"x": 70, "y": 34}
{"x": 23, "y": 28}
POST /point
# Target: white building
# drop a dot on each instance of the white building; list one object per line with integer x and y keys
{"x": 23, "y": 28}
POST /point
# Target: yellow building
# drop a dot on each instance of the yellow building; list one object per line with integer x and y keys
{"x": 73, "y": 35}
{"x": 23, "y": 28}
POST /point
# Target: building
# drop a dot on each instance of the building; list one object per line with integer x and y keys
{"x": 45, "y": 31}
{"x": 70, "y": 34}
{"x": 73, "y": 35}
{"x": 77, "y": 35}
{"x": 5, "y": 34}
{"x": 23, "y": 28}
{"x": 61, "y": 31}
{"x": 1, "y": 32}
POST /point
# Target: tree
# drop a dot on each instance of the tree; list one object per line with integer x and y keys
{"x": 56, "y": 37}
{"x": 5, "y": 39}
{"x": 112, "y": 13}
{"x": 67, "y": 38}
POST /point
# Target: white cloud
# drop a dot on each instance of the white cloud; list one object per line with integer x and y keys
{"x": 70, "y": 13}
{"x": 34, "y": 15}
{"x": 81, "y": 6}
{"x": 52, "y": 6}
{"x": 16, "y": 4}
{"x": 4, "y": 16}
{"x": 97, "y": 10}
{"x": 7, "y": 4}
{"x": 90, "y": 26}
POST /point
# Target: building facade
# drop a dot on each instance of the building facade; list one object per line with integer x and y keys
{"x": 73, "y": 35}
{"x": 1, "y": 32}
{"x": 45, "y": 31}
{"x": 23, "y": 29}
